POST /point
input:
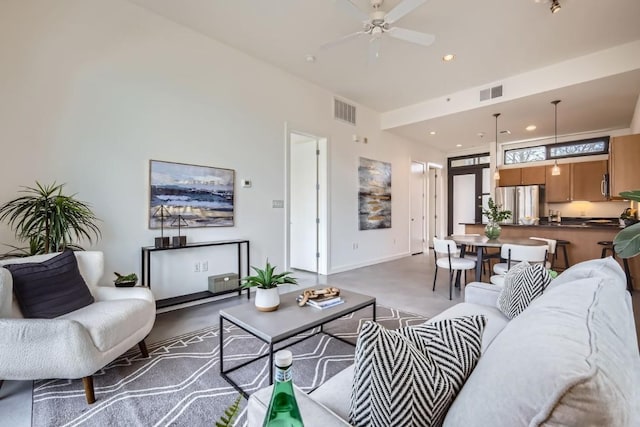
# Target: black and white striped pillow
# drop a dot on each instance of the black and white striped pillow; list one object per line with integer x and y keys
{"x": 521, "y": 287}
{"x": 410, "y": 376}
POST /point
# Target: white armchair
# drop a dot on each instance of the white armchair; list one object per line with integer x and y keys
{"x": 79, "y": 343}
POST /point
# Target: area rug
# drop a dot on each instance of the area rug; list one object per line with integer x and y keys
{"x": 180, "y": 385}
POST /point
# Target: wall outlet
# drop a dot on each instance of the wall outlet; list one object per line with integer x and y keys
{"x": 205, "y": 266}
{"x": 196, "y": 267}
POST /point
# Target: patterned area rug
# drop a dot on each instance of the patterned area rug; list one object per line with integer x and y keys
{"x": 180, "y": 385}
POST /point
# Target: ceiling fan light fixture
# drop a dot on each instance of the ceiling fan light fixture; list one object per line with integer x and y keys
{"x": 555, "y": 6}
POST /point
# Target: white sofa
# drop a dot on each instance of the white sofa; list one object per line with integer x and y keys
{"x": 79, "y": 343}
{"x": 571, "y": 358}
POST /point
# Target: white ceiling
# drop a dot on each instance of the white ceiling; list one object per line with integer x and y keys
{"x": 492, "y": 40}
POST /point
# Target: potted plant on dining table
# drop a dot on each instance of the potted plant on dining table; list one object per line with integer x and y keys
{"x": 495, "y": 214}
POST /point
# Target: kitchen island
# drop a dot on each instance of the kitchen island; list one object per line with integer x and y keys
{"x": 584, "y": 238}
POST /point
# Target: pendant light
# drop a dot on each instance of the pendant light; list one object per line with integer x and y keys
{"x": 555, "y": 170}
{"x": 496, "y": 174}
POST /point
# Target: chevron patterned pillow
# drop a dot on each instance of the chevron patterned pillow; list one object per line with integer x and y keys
{"x": 410, "y": 376}
{"x": 521, "y": 286}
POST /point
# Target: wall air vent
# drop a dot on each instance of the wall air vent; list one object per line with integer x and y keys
{"x": 490, "y": 93}
{"x": 344, "y": 112}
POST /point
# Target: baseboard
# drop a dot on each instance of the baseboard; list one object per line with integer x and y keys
{"x": 343, "y": 268}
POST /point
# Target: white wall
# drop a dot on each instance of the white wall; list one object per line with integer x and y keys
{"x": 91, "y": 90}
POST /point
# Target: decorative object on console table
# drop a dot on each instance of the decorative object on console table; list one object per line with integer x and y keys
{"x": 266, "y": 283}
{"x": 179, "y": 240}
{"x": 162, "y": 213}
{"x": 495, "y": 215}
{"x": 125, "y": 281}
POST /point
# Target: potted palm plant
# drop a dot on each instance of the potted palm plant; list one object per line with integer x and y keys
{"x": 49, "y": 220}
{"x": 495, "y": 214}
{"x": 266, "y": 282}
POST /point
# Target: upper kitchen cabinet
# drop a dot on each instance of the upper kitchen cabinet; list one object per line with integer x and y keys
{"x": 522, "y": 176}
{"x": 588, "y": 181}
{"x": 509, "y": 177}
{"x": 624, "y": 156}
{"x": 558, "y": 187}
{"x": 533, "y": 175}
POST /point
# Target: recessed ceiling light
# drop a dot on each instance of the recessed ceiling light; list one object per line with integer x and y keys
{"x": 531, "y": 128}
{"x": 448, "y": 57}
{"x": 310, "y": 58}
{"x": 458, "y": 145}
{"x": 433, "y": 132}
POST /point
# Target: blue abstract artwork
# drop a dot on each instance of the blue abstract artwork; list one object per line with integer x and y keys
{"x": 190, "y": 195}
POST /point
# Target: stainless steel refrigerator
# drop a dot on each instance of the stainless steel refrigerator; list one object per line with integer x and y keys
{"x": 522, "y": 201}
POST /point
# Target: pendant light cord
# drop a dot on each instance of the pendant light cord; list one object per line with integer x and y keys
{"x": 496, "y": 174}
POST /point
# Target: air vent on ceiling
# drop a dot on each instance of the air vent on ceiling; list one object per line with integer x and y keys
{"x": 490, "y": 93}
{"x": 344, "y": 112}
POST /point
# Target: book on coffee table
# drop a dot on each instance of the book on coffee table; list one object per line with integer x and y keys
{"x": 326, "y": 303}
{"x": 323, "y": 302}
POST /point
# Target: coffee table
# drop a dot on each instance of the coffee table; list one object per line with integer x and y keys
{"x": 285, "y": 323}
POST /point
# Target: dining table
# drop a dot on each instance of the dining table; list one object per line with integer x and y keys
{"x": 481, "y": 242}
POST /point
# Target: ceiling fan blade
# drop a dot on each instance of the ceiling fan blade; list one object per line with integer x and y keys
{"x": 374, "y": 49}
{"x": 412, "y": 36}
{"x": 340, "y": 40}
{"x": 402, "y": 9}
{"x": 353, "y": 10}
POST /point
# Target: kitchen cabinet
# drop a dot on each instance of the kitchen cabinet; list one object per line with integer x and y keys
{"x": 587, "y": 181}
{"x": 509, "y": 177}
{"x": 558, "y": 187}
{"x": 522, "y": 176}
{"x": 624, "y": 155}
{"x": 533, "y": 175}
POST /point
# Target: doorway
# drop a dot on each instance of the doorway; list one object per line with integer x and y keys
{"x": 306, "y": 216}
{"x": 469, "y": 189}
{"x": 417, "y": 207}
{"x": 434, "y": 205}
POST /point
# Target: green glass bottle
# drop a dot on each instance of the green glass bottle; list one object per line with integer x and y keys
{"x": 283, "y": 409}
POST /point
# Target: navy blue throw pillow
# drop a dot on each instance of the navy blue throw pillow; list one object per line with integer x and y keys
{"x": 50, "y": 288}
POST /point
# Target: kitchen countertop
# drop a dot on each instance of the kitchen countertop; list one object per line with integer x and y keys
{"x": 568, "y": 224}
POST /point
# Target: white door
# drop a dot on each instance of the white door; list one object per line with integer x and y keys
{"x": 417, "y": 207}
{"x": 304, "y": 203}
{"x": 464, "y": 201}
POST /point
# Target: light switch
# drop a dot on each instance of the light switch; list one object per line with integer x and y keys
{"x": 277, "y": 203}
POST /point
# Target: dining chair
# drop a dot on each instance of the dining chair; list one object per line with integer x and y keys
{"x": 445, "y": 255}
{"x": 551, "y": 249}
{"x": 516, "y": 253}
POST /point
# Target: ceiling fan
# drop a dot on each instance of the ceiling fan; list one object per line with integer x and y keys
{"x": 378, "y": 22}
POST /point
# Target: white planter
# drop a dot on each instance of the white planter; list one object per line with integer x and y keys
{"x": 267, "y": 299}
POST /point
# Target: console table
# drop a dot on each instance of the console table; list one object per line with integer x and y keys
{"x": 146, "y": 269}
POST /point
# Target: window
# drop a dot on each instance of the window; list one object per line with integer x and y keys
{"x": 477, "y": 159}
{"x": 525, "y": 155}
{"x": 585, "y": 147}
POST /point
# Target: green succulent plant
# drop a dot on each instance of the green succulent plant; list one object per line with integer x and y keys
{"x": 627, "y": 241}
{"x": 267, "y": 278}
{"x": 133, "y": 277}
